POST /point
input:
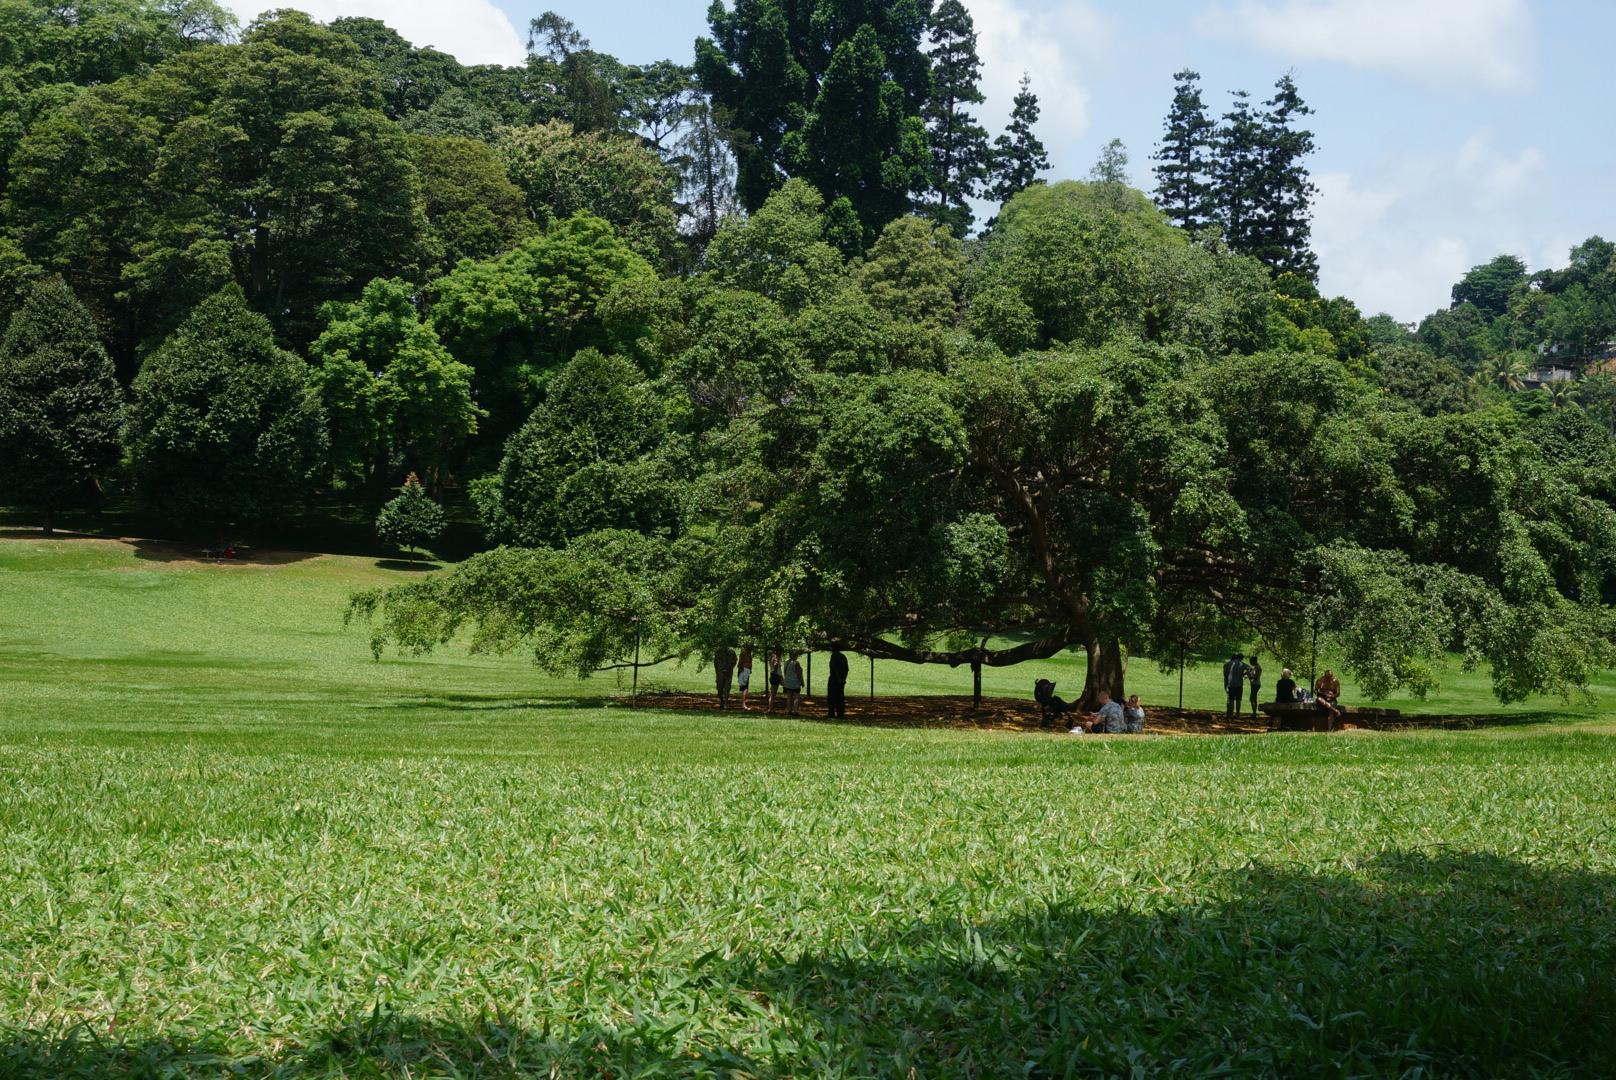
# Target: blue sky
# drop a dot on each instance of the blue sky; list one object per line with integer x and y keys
{"x": 1448, "y": 130}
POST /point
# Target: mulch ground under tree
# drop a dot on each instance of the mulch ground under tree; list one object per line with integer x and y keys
{"x": 1009, "y": 714}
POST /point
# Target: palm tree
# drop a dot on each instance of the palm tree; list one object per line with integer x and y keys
{"x": 1504, "y": 372}
{"x": 1563, "y": 393}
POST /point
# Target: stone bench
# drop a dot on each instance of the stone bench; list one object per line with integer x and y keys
{"x": 1311, "y": 716}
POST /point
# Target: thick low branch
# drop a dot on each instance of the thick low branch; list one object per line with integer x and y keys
{"x": 646, "y": 663}
{"x": 1041, "y": 649}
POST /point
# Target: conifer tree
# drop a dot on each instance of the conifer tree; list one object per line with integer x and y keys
{"x": 224, "y": 425}
{"x": 1183, "y": 158}
{"x": 855, "y": 132}
{"x": 1237, "y": 173}
{"x": 959, "y": 145}
{"x": 60, "y": 404}
{"x": 1283, "y": 192}
{"x": 1018, "y": 156}
{"x": 861, "y": 140}
{"x": 411, "y": 520}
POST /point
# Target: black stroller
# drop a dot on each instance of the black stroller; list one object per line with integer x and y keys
{"x": 1043, "y": 692}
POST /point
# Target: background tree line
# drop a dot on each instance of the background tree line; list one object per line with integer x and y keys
{"x": 805, "y": 409}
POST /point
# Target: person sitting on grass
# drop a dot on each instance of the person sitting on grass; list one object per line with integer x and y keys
{"x": 1107, "y": 720}
{"x": 1133, "y": 716}
{"x": 1285, "y": 688}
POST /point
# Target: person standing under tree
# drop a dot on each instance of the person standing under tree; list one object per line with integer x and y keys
{"x": 791, "y": 679}
{"x": 836, "y": 688}
{"x": 1254, "y": 673}
{"x": 724, "y": 671}
{"x": 1234, "y": 685}
{"x": 743, "y": 675}
{"x": 774, "y": 679}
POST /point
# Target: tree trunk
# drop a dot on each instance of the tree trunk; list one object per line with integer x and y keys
{"x": 1108, "y": 669}
{"x": 976, "y": 684}
{"x": 50, "y": 522}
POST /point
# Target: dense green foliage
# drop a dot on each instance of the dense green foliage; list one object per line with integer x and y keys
{"x": 234, "y": 845}
{"x": 830, "y": 91}
{"x": 390, "y": 389}
{"x": 61, "y": 408}
{"x": 223, "y": 425}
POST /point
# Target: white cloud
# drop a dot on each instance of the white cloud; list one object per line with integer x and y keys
{"x": 1397, "y": 236}
{"x": 1486, "y": 43}
{"x": 1495, "y": 177}
{"x": 1013, "y": 38}
{"x": 472, "y": 31}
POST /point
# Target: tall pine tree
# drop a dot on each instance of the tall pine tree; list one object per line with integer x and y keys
{"x": 960, "y": 155}
{"x": 1184, "y": 156}
{"x": 1236, "y": 173}
{"x": 1018, "y": 156}
{"x": 1246, "y": 175}
{"x": 60, "y": 405}
{"x": 1283, "y": 191}
{"x": 855, "y": 132}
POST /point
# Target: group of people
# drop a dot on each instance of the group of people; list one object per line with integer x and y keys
{"x": 785, "y": 680}
{"x": 1241, "y": 670}
{"x": 1111, "y": 718}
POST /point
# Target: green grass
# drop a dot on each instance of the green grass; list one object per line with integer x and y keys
{"x": 233, "y": 845}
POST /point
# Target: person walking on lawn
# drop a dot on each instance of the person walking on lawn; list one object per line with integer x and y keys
{"x": 723, "y": 672}
{"x": 1254, "y": 673}
{"x": 836, "y": 688}
{"x": 1234, "y": 685}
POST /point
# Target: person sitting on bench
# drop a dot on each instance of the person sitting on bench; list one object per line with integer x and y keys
{"x": 1285, "y": 688}
{"x": 1327, "y": 692}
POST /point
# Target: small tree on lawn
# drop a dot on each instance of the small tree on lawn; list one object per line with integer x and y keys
{"x": 60, "y": 405}
{"x": 411, "y": 520}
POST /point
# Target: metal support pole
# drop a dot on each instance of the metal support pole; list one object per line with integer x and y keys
{"x": 1181, "y": 678}
{"x": 1313, "y": 661}
{"x": 635, "y": 704}
{"x": 872, "y": 678}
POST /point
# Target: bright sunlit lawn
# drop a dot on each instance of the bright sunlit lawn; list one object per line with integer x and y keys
{"x": 233, "y": 844}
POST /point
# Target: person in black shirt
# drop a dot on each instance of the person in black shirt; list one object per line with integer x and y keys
{"x": 1285, "y": 689}
{"x": 836, "y": 689}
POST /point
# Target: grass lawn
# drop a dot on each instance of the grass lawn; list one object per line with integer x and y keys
{"x": 231, "y": 844}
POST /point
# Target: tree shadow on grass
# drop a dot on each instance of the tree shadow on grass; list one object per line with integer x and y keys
{"x": 419, "y": 566}
{"x": 171, "y": 551}
{"x": 1412, "y": 965}
{"x": 487, "y": 703}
